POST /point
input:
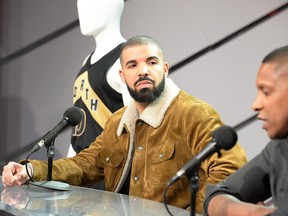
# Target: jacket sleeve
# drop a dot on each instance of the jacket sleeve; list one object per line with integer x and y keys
{"x": 81, "y": 169}
{"x": 213, "y": 190}
{"x": 249, "y": 184}
{"x": 201, "y": 120}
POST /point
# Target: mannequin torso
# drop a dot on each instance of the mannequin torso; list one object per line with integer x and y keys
{"x": 101, "y": 20}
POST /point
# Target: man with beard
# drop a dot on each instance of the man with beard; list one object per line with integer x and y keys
{"x": 144, "y": 144}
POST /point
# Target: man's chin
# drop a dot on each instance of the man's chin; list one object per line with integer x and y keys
{"x": 144, "y": 92}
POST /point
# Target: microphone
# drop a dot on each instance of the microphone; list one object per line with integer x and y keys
{"x": 71, "y": 117}
{"x": 223, "y": 137}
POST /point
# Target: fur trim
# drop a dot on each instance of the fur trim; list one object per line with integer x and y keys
{"x": 152, "y": 115}
{"x": 154, "y": 112}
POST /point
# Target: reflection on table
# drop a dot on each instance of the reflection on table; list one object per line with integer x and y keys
{"x": 32, "y": 200}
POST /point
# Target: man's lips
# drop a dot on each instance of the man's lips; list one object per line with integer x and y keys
{"x": 144, "y": 82}
{"x": 264, "y": 120}
{"x": 261, "y": 118}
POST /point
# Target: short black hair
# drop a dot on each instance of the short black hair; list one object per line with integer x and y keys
{"x": 277, "y": 55}
{"x": 140, "y": 40}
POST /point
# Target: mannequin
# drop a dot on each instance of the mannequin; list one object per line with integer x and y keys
{"x": 98, "y": 89}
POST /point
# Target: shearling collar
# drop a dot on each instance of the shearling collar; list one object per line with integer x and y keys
{"x": 154, "y": 112}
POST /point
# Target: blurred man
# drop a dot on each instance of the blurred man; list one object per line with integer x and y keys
{"x": 244, "y": 192}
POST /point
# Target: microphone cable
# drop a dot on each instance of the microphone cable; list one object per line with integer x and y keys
{"x": 165, "y": 199}
{"x": 26, "y": 167}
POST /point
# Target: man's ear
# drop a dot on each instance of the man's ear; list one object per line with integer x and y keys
{"x": 122, "y": 75}
{"x": 166, "y": 69}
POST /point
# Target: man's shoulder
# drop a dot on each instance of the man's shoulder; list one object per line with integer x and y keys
{"x": 114, "y": 120}
{"x": 118, "y": 113}
{"x": 276, "y": 147}
{"x": 190, "y": 101}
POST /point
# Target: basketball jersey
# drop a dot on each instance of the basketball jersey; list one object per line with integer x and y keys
{"x": 97, "y": 99}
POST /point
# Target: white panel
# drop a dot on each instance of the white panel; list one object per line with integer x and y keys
{"x": 36, "y": 89}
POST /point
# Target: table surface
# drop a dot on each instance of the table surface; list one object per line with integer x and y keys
{"x": 34, "y": 200}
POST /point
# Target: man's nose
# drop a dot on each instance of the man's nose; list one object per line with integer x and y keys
{"x": 256, "y": 105}
{"x": 143, "y": 71}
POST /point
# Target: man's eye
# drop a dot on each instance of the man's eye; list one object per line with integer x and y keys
{"x": 265, "y": 92}
{"x": 152, "y": 62}
{"x": 131, "y": 65}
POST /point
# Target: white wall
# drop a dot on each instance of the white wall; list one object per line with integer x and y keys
{"x": 36, "y": 89}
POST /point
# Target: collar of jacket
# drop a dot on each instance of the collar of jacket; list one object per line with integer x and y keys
{"x": 154, "y": 112}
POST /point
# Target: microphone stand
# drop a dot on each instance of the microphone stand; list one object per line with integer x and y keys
{"x": 194, "y": 186}
{"x": 49, "y": 184}
{"x": 50, "y": 156}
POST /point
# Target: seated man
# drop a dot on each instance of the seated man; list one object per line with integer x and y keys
{"x": 266, "y": 175}
{"x": 144, "y": 144}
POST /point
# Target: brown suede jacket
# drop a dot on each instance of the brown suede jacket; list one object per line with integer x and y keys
{"x": 169, "y": 133}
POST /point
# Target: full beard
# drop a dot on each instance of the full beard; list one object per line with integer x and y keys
{"x": 147, "y": 95}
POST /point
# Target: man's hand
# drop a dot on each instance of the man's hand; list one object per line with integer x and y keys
{"x": 14, "y": 174}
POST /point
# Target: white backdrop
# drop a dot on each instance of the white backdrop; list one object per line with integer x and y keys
{"x": 36, "y": 89}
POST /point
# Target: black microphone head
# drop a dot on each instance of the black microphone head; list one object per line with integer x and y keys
{"x": 225, "y": 137}
{"x": 73, "y": 115}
